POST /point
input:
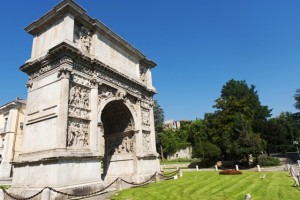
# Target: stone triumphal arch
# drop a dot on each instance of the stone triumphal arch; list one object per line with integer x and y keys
{"x": 90, "y": 100}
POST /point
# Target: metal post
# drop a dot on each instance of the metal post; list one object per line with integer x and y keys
{"x": 258, "y": 168}
{"x": 236, "y": 167}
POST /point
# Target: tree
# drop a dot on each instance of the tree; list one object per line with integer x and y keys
{"x": 238, "y": 121}
{"x": 159, "y": 117}
{"x": 281, "y": 132}
{"x": 297, "y": 98}
{"x": 207, "y": 152}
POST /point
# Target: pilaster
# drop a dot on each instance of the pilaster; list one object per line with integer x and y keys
{"x": 62, "y": 121}
{"x": 93, "y": 116}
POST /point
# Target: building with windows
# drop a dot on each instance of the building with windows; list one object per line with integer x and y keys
{"x": 11, "y": 131}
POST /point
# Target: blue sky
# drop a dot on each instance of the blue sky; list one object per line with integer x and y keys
{"x": 198, "y": 45}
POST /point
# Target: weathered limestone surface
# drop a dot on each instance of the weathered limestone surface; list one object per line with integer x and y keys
{"x": 90, "y": 99}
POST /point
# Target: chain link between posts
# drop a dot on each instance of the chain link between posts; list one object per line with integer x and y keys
{"x": 168, "y": 176}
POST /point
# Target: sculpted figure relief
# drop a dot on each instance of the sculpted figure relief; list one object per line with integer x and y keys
{"x": 78, "y": 134}
{"x": 83, "y": 38}
{"x": 81, "y": 80}
{"x": 105, "y": 92}
{"x": 143, "y": 75}
{"x": 79, "y": 97}
{"x": 146, "y": 141}
{"x": 119, "y": 145}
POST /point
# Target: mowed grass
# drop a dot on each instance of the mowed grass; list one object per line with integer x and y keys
{"x": 212, "y": 186}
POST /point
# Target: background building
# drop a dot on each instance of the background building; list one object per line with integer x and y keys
{"x": 11, "y": 131}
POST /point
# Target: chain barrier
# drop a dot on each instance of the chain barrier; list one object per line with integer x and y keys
{"x": 139, "y": 184}
{"x": 295, "y": 176}
{"x": 17, "y": 198}
{"x": 169, "y": 175}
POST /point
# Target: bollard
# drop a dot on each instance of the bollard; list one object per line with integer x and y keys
{"x": 157, "y": 178}
{"x": 46, "y": 194}
{"x": 258, "y": 168}
{"x": 216, "y": 167}
{"x": 1, "y": 194}
{"x": 180, "y": 173}
{"x": 236, "y": 167}
{"x": 119, "y": 184}
{"x": 197, "y": 169}
{"x": 247, "y": 197}
{"x": 175, "y": 177}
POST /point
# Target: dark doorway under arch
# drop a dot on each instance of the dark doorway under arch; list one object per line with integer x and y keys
{"x": 118, "y": 127}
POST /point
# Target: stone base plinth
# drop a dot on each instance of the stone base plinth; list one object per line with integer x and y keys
{"x": 136, "y": 171}
{"x": 72, "y": 175}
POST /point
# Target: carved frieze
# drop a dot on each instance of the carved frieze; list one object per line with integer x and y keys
{"x": 145, "y": 119}
{"x": 81, "y": 80}
{"x": 79, "y": 96}
{"x": 41, "y": 71}
{"x": 146, "y": 141}
{"x": 105, "y": 92}
{"x": 113, "y": 80}
{"x": 120, "y": 144}
{"x": 82, "y": 69}
{"x": 78, "y": 133}
{"x": 143, "y": 74}
{"x": 145, "y": 116}
{"x": 79, "y": 112}
{"x": 82, "y": 37}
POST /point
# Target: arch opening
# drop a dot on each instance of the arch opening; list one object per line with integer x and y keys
{"x": 118, "y": 128}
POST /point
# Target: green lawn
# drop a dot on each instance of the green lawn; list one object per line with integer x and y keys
{"x": 212, "y": 186}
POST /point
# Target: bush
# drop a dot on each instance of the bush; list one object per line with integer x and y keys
{"x": 230, "y": 172}
{"x": 207, "y": 152}
{"x": 268, "y": 161}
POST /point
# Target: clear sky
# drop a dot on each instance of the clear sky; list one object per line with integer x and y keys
{"x": 198, "y": 45}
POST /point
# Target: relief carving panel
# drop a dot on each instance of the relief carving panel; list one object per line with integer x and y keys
{"x": 82, "y": 37}
{"x": 146, "y": 141}
{"x": 78, "y": 133}
{"x": 120, "y": 144}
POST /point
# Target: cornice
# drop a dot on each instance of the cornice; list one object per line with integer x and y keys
{"x": 11, "y": 105}
{"x": 67, "y": 50}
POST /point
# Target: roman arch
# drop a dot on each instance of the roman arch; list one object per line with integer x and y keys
{"x": 90, "y": 100}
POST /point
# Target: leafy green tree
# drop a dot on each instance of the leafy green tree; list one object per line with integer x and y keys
{"x": 197, "y": 132}
{"x": 281, "y": 132}
{"x": 297, "y": 98}
{"x": 238, "y": 121}
{"x": 171, "y": 141}
{"x": 159, "y": 117}
{"x": 207, "y": 152}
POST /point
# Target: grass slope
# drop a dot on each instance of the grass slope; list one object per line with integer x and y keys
{"x": 212, "y": 186}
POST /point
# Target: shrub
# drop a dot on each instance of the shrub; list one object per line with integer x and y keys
{"x": 207, "y": 152}
{"x": 268, "y": 161}
{"x": 230, "y": 172}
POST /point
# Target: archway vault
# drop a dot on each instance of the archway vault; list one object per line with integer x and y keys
{"x": 118, "y": 131}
